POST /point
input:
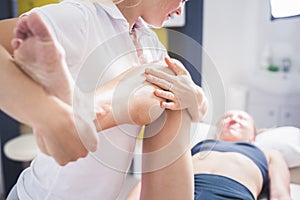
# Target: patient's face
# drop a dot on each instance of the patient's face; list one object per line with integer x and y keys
{"x": 236, "y": 126}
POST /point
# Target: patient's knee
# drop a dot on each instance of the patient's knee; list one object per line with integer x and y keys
{"x": 145, "y": 106}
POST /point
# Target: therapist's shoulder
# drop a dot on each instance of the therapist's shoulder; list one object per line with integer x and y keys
{"x": 66, "y": 19}
{"x": 70, "y": 11}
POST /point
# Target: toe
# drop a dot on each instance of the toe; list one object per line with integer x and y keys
{"x": 38, "y": 27}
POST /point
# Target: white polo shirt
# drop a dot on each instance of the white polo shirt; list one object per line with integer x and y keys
{"x": 98, "y": 48}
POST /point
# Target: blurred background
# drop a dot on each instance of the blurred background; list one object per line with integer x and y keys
{"x": 244, "y": 55}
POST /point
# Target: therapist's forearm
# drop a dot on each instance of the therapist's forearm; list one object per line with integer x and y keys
{"x": 20, "y": 97}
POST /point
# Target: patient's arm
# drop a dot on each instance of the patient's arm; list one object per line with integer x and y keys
{"x": 279, "y": 176}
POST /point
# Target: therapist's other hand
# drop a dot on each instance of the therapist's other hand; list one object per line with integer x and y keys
{"x": 179, "y": 90}
{"x": 64, "y": 135}
{"x": 56, "y": 133}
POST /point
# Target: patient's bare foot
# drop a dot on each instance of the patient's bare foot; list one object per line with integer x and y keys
{"x": 41, "y": 57}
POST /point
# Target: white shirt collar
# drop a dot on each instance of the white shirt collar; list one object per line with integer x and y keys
{"x": 112, "y": 10}
{"x": 115, "y": 13}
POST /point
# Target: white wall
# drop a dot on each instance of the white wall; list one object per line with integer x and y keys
{"x": 235, "y": 34}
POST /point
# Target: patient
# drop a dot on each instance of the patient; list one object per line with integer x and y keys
{"x": 231, "y": 167}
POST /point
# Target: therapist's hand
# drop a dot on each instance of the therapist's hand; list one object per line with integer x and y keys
{"x": 63, "y": 135}
{"x": 179, "y": 90}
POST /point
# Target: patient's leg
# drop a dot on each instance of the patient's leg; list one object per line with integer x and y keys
{"x": 167, "y": 166}
{"x": 41, "y": 57}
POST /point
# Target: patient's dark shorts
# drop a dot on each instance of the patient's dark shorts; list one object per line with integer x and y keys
{"x": 216, "y": 187}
